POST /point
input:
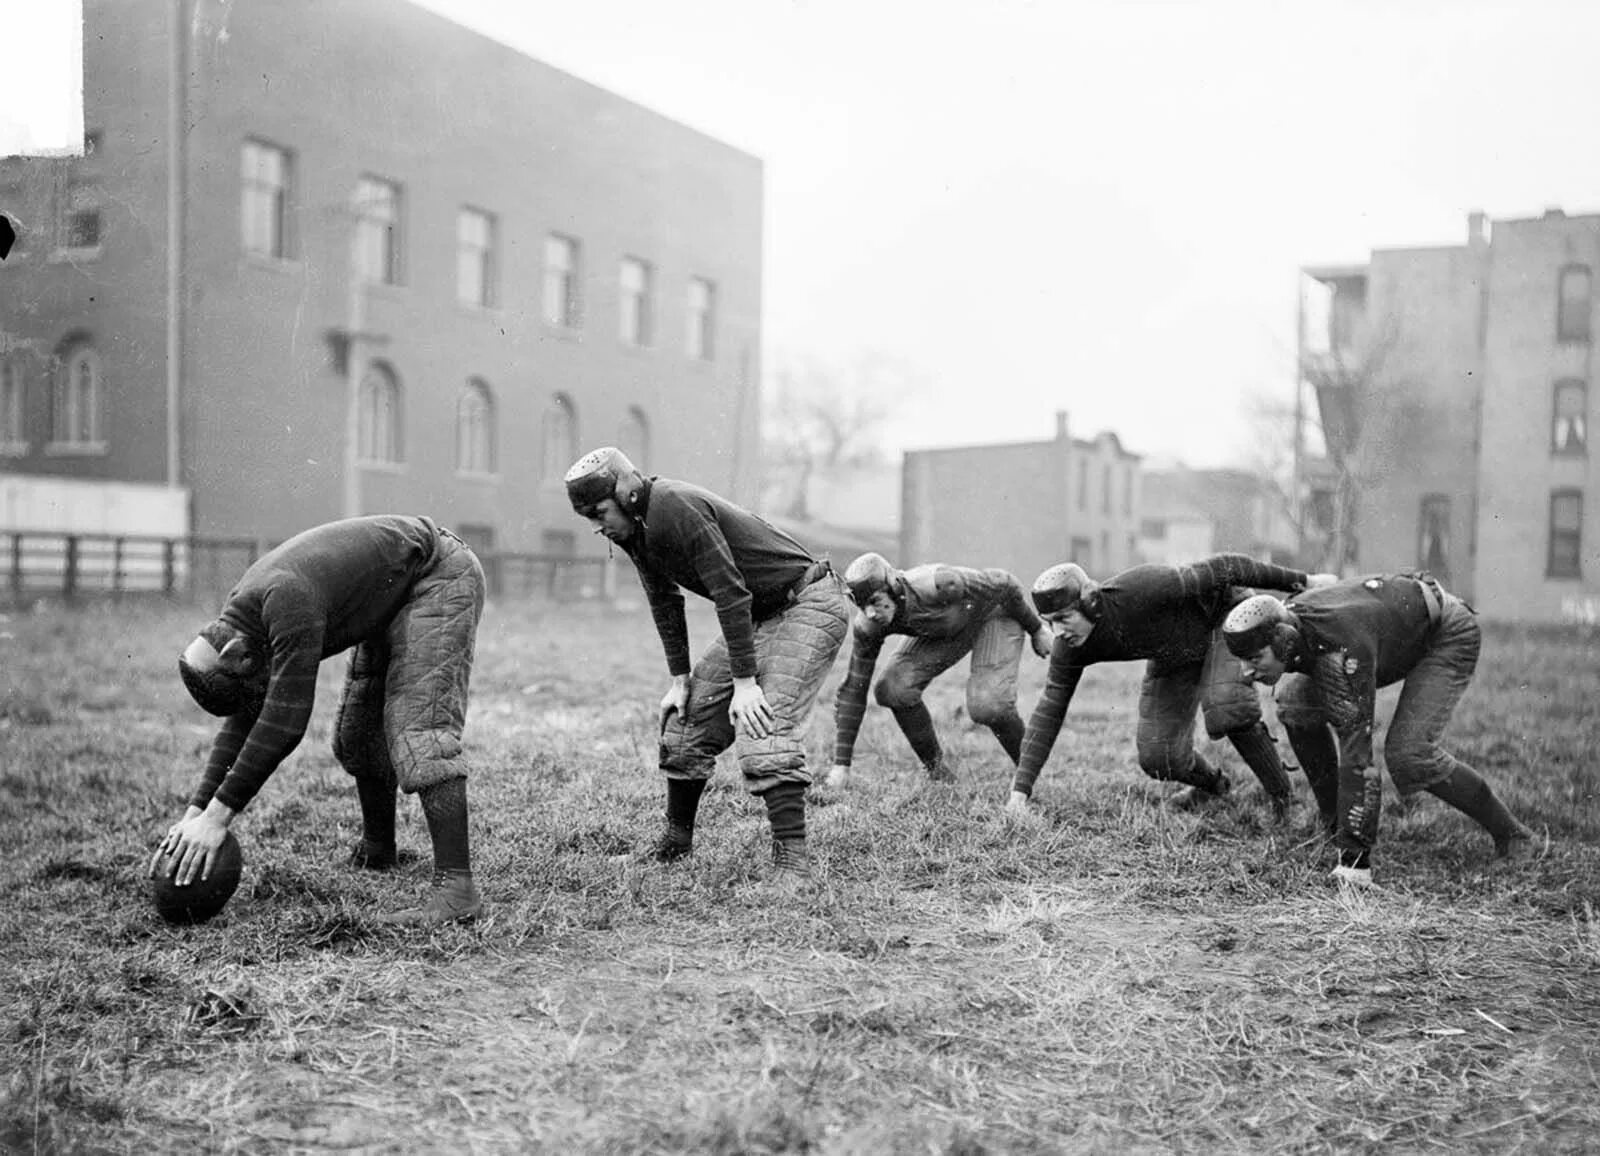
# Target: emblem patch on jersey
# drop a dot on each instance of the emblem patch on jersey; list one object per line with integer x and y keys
{"x": 1373, "y": 583}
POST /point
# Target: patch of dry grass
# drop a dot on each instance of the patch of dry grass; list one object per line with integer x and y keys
{"x": 1102, "y": 977}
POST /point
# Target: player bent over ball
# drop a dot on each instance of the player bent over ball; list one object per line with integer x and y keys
{"x": 1332, "y": 648}
{"x": 407, "y": 595}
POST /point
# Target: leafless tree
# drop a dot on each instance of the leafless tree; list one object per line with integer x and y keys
{"x": 821, "y": 419}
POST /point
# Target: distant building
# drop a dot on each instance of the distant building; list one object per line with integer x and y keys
{"x": 1190, "y": 513}
{"x": 1457, "y": 383}
{"x": 1023, "y": 506}
{"x": 499, "y": 264}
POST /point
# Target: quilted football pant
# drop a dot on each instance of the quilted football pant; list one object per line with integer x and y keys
{"x": 794, "y": 653}
{"x": 405, "y": 693}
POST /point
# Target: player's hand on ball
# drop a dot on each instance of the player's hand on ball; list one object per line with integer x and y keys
{"x": 189, "y": 849}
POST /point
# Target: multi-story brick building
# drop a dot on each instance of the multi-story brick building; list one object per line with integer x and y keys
{"x": 1023, "y": 506}
{"x": 388, "y": 264}
{"x": 1455, "y": 383}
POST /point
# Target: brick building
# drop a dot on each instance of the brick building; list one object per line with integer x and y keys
{"x": 391, "y": 264}
{"x": 1455, "y": 381}
{"x": 1023, "y": 506}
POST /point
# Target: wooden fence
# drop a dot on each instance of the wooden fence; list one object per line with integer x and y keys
{"x": 73, "y": 567}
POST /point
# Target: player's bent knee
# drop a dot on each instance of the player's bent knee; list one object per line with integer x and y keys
{"x": 895, "y": 695}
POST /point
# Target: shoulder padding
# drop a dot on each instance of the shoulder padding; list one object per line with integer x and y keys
{"x": 933, "y": 583}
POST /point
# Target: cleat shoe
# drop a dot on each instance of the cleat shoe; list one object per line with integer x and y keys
{"x": 674, "y": 843}
{"x": 1283, "y": 808}
{"x": 940, "y": 771}
{"x": 453, "y": 898}
{"x": 1196, "y": 797}
{"x": 838, "y": 778}
{"x": 791, "y": 861}
{"x": 1517, "y": 846}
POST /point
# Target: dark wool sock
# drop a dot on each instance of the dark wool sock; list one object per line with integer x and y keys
{"x": 445, "y": 806}
{"x": 917, "y": 724}
{"x": 1466, "y": 791}
{"x": 1319, "y": 759}
{"x": 786, "y": 810}
{"x": 683, "y": 801}
{"x": 1009, "y": 730}
{"x": 377, "y": 796}
{"x": 1260, "y": 754}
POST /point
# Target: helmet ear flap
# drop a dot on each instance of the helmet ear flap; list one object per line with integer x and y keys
{"x": 1285, "y": 641}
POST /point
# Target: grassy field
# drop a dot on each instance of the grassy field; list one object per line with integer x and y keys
{"x": 1104, "y": 977}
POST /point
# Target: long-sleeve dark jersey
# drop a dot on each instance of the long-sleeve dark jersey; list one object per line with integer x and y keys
{"x": 319, "y": 593}
{"x": 691, "y": 538}
{"x": 936, "y": 601}
{"x": 1162, "y": 613}
{"x": 1358, "y": 635}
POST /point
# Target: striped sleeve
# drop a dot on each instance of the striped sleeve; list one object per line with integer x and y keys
{"x": 224, "y": 751}
{"x": 850, "y": 703}
{"x": 295, "y": 629}
{"x": 1048, "y": 715}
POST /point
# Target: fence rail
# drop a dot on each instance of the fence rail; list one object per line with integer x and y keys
{"x": 43, "y": 564}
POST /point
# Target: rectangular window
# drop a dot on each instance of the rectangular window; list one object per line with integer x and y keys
{"x": 1079, "y": 553}
{"x": 1083, "y": 486}
{"x": 80, "y": 227}
{"x": 475, "y": 257}
{"x": 701, "y": 318}
{"x": 378, "y": 231}
{"x": 1105, "y": 489}
{"x": 1153, "y": 528}
{"x": 1127, "y": 491}
{"x": 1566, "y": 534}
{"x": 634, "y": 279}
{"x": 264, "y": 199}
{"x": 1572, "y": 308}
{"x": 1433, "y": 536}
{"x": 1569, "y": 426}
{"x": 561, "y": 280}
{"x": 10, "y": 404}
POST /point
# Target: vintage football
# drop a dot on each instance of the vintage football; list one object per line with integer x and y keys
{"x": 202, "y": 898}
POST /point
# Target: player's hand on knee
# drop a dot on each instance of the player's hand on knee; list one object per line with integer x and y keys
{"x": 749, "y": 710}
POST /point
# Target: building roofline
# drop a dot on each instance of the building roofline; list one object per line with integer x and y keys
{"x": 612, "y": 93}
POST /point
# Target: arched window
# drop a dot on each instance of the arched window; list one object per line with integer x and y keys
{"x": 1572, "y": 304}
{"x": 475, "y": 429}
{"x": 633, "y": 437}
{"x": 380, "y": 433}
{"x": 560, "y": 436}
{"x": 76, "y": 399}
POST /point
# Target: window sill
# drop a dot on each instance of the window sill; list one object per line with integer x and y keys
{"x": 375, "y": 467}
{"x": 13, "y": 449}
{"x": 74, "y": 256}
{"x": 482, "y": 312}
{"x": 270, "y": 263}
{"x": 477, "y": 476}
{"x": 388, "y": 289}
{"x": 563, "y": 332}
{"x": 76, "y": 449}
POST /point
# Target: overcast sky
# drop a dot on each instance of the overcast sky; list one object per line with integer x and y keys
{"x": 1091, "y": 207}
{"x": 1094, "y": 207}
